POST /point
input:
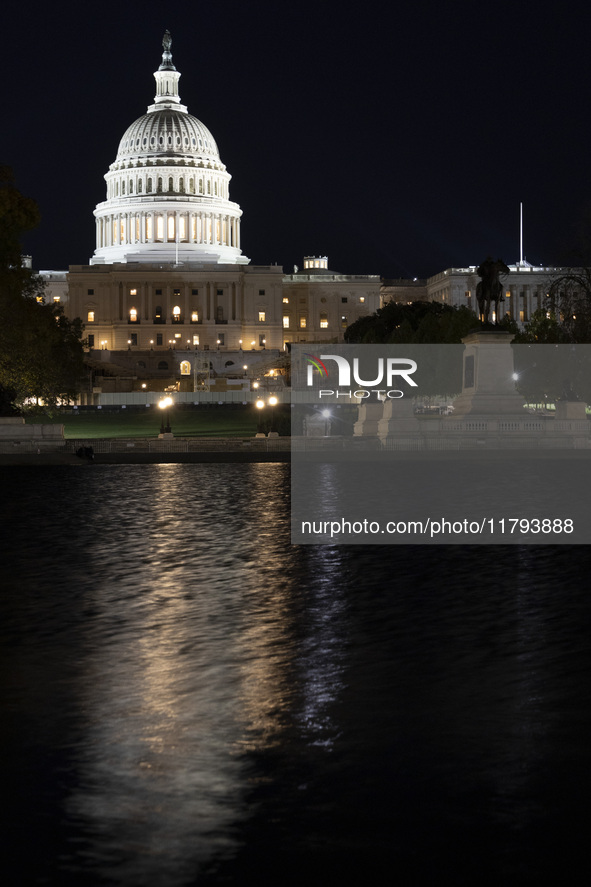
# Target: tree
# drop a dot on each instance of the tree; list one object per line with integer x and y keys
{"x": 41, "y": 352}
{"x": 417, "y": 323}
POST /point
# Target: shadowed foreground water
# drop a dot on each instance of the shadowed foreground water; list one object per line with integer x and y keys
{"x": 189, "y": 699}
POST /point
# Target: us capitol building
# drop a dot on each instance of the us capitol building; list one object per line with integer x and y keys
{"x": 168, "y": 280}
{"x": 168, "y": 291}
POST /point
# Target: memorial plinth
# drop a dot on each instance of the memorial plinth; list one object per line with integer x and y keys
{"x": 488, "y": 384}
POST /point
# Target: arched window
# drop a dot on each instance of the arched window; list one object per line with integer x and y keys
{"x": 215, "y": 189}
{"x": 123, "y": 187}
{"x": 133, "y": 315}
{"x": 201, "y": 186}
{"x": 191, "y": 185}
{"x": 185, "y": 368}
{"x": 159, "y": 187}
{"x": 130, "y": 186}
{"x": 149, "y": 185}
{"x": 139, "y": 186}
{"x": 158, "y": 318}
{"x": 162, "y": 365}
{"x": 182, "y": 185}
{"x": 229, "y": 363}
{"x": 170, "y": 183}
{"x": 208, "y": 187}
{"x": 116, "y": 189}
{"x": 176, "y": 314}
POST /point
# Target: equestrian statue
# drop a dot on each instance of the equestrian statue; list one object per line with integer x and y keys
{"x": 490, "y": 289}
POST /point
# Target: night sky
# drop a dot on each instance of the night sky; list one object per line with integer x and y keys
{"x": 397, "y": 140}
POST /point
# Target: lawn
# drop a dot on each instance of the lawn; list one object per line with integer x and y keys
{"x": 190, "y": 421}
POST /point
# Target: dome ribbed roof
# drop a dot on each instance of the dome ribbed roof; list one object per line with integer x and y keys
{"x": 168, "y": 132}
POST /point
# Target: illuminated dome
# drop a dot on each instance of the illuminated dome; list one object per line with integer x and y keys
{"x": 168, "y": 190}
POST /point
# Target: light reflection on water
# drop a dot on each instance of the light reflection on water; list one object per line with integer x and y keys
{"x": 182, "y": 684}
{"x": 181, "y": 593}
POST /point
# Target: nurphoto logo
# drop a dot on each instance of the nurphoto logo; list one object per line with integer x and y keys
{"x": 388, "y": 369}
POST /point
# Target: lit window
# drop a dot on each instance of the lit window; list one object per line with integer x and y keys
{"x": 133, "y": 315}
{"x": 285, "y": 322}
{"x": 185, "y": 368}
{"x": 195, "y": 340}
{"x": 159, "y": 228}
{"x": 56, "y": 298}
{"x": 285, "y": 300}
{"x": 261, "y": 316}
{"x": 344, "y": 322}
{"x": 177, "y": 335}
{"x": 302, "y": 323}
{"x": 194, "y": 317}
{"x": 323, "y": 321}
{"x": 362, "y": 298}
{"x": 90, "y": 317}
{"x": 133, "y": 292}
{"x": 171, "y": 227}
{"x": 40, "y": 299}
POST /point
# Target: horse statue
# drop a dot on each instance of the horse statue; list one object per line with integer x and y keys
{"x": 490, "y": 289}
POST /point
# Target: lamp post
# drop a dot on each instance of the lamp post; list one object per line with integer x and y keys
{"x": 273, "y": 401}
{"x": 165, "y": 430}
{"x": 260, "y": 405}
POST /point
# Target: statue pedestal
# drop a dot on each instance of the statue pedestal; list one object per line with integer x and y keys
{"x": 398, "y": 419}
{"x": 369, "y": 417}
{"x": 488, "y": 387}
{"x": 569, "y": 409}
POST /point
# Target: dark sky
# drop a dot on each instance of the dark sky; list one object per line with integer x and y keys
{"x": 398, "y": 141}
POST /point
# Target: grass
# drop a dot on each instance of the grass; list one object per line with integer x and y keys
{"x": 191, "y": 421}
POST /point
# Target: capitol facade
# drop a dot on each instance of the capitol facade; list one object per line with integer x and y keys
{"x": 168, "y": 288}
{"x": 168, "y": 273}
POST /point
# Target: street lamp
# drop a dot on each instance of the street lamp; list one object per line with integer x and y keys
{"x": 273, "y": 401}
{"x": 165, "y": 405}
{"x": 260, "y": 405}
